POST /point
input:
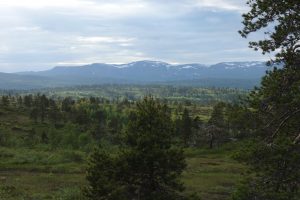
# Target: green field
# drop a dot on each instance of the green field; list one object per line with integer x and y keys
{"x": 32, "y": 174}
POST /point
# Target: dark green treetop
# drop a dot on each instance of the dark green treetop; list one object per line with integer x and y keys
{"x": 283, "y": 18}
{"x": 274, "y": 153}
{"x": 149, "y": 163}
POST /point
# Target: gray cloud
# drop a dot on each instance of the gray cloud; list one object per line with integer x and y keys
{"x": 39, "y": 34}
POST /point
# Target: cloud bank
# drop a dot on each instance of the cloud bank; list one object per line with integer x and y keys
{"x": 40, "y": 34}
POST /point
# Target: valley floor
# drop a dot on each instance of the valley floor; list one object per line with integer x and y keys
{"x": 27, "y": 174}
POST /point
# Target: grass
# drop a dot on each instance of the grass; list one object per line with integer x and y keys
{"x": 43, "y": 173}
{"x": 212, "y": 173}
{"x": 60, "y": 161}
{"x": 40, "y": 185}
{"x": 28, "y": 174}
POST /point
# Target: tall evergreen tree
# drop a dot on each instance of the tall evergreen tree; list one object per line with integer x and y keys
{"x": 67, "y": 104}
{"x": 54, "y": 112}
{"x": 149, "y": 164}
{"x": 5, "y": 101}
{"x": 216, "y": 125}
{"x": 274, "y": 154}
{"x": 43, "y": 105}
{"x": 186, "y": 127}
{"x": 28, "y": 101}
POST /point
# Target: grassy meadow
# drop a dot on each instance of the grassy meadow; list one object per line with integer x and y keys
{"x": 31, "y": 174}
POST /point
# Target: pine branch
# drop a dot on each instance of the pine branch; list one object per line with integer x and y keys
{"x": 283, "y": 122}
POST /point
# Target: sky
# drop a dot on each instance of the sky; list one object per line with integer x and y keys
{"x": 40, "y": 34}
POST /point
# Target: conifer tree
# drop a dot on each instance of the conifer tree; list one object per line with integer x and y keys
{"x": 216, "y": 125}
{"x": 186, "y": 127}
{"x": 5, "y": 101}
{"x": 149, "y": 164}
{"x": 274, "y": 153}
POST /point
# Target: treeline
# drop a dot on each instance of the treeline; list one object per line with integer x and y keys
{"x": 82, "y": 123}
{"x": 65, "y": 123}
{"x": 179, "y": 94}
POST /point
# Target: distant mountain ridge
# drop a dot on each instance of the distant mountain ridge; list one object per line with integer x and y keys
{"x": 142, "y": 72}
{"x": 159, "y": 71}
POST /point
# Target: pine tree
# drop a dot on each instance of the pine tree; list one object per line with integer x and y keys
{"x": 28, "y": 101}
{"x": 103, "y": 177}
{"x": 54, "y": 113}
{"x": 186, "y": 127}
{"x": 5, "y": 101}
{"x": 274, "y": 153}
{"x": 149, "y": 164}
{"x": 216, "y": 125}
{"x": 67, "y": 104}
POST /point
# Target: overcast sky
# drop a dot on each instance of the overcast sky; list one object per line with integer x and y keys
{"x": 40, "y": 34}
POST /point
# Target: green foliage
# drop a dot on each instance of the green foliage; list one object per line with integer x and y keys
{"x": 71, "y": 193}
{"x": 5, "y": 101}
{"x": 274, "y": 154}
{"x": 103, "y": 175}
{"x": 283, "y": 19}
{"x": 8, "y": 192}
{"x": 127, "y": 93}
{"x": 274, "y": 171}
{"x": 186, "y": 127}
{"x": 216, "y": 129}
{"x": 63, "y": 129}
{"x": 149, "y": 164}
{"x": 41, "y": 157}
{"x": 152, "y": 154}
{"x": 241, "y": 121}
{"x": 210, "y": 173}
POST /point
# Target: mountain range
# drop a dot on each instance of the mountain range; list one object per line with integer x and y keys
{"x": 227, "y": 74}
